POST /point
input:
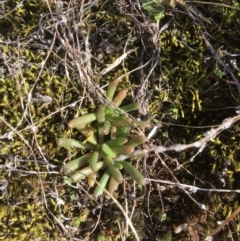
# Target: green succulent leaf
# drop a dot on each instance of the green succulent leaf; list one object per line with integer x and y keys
{"x": 121, "y": 123}
{"x": 68, "y": 143}
{"x": 130, "y": 107}
{"x": 124, "y": 149}
{"x": 83, "y": 173}
{"x": 112, "y": 88}
{"x": 117, "y": 117}
{"x": 113, "y": 185}
{"x": 89, "y": 134}
{"x": 106, "y": 128}
{"x": 108, "y": 151}
{"x": 101, "y": 113}
{"x": 134, "y": 173}
{"x": 137, "y": 153}
{"x": 102, "y": 184}
{"x": 75, "y": 164}
{"x": 154, "y": 8}
{"x": 92, "y": 179}
{"x": 113, "y": 169}
{"x": 141, "y": 124}
{"x": 119, "y": 97}
{"x": 93, "y": 161}
{"x": 113, "y": 133}
{"x": 118, "y": 165}
{"x": 123, "y": 131}
{"x": 101, "y": 120}
{"x": 137, "y": 140}
{"x": 82, "y": 121}
{"x": 116, "y": 142}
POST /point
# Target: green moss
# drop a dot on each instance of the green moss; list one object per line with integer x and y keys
{"x": 187, "y": 87}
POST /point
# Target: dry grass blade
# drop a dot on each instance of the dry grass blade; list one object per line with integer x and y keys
{"x": 224, "y": 223}
{"x": 53, "y": 64}
{"x": 129, "y": 222}
{"x": 212, "y": 3}
{"x": 116, "y": 62}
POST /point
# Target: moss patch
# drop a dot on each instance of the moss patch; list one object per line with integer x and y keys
{"x": 52, "y": 55}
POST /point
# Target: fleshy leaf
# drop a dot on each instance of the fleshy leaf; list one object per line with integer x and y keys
{"x": 113, "y": 169}
{"x": 68, "y": 143}
{"x": 113, "y": 185}
{"x": 89, "y": 134}
{"x": 101, "y": 113}
{"x": 75, "y": 164}
{"x": 112, "y": 88}
{"x": 136, "y": 153}
{"x": 102, "y": 184}
{"x": 180, "y": 228}
{"x": 137, "y": 140}
{"x": 117, "y": 117}
{"x": 92, "y": 179}
{"x": 77, "y": 176}
{"x": 82, "y": 120}
{"x": 93, "y": 161}
{"x": 130, "y": 107}
{"x": 121, "y": 123}
{"x": 113, "y": 132}
{"x": 120, "y": 97}
{"x": 124, "y": 149}
{"x": 108, "y": 151}
{"x": 134, "y": 173}
{"x": 123, "y": 131}
{"x": 106, "y": 128}
{"x": 141, "y": 124}
{"x": 116, "y": 142}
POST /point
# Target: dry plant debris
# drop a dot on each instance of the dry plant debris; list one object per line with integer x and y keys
{"x": 178, "y": 60}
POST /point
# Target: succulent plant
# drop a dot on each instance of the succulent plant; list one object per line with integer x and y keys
{"x": 111, "y": 138}
{"x": 192, "y": 226}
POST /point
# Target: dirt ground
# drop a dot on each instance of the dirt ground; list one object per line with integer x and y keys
{"x": 180, "y": 61}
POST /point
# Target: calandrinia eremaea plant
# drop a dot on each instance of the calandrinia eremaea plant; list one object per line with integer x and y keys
{"x": 192, "y": 226}
{"x": 107, "y": 135}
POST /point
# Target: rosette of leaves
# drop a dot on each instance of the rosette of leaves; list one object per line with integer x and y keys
{"x": 103, "y": 145}
{"x": 192, "y": 226}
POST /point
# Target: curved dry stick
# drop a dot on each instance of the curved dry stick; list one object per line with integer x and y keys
{"x": 225, "y": 222}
